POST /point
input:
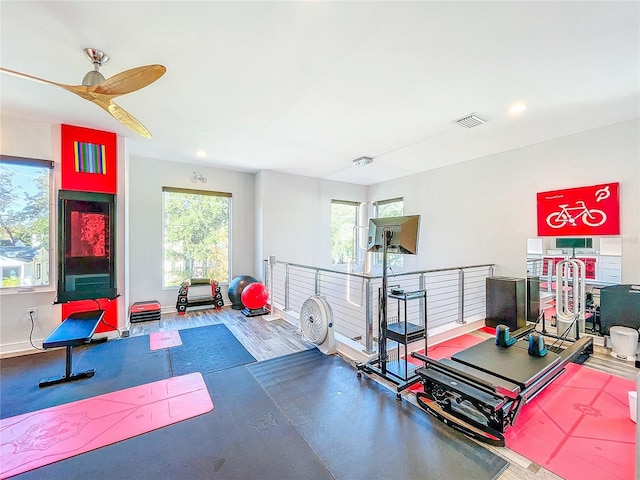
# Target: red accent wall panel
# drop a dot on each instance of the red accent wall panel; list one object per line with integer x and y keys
{"x": 89, "y": 160}
{"x": 110, "y": 311}
{"x": 89, "y": 164}
{"x": 583, "y": 211}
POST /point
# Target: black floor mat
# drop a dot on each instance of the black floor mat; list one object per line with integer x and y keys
{"x": 358, "y": 428}
{"x": 207, "y": 349}
{"x": 303, "y": 416}
{"x": 119, "y": 364}
{"x": 244, "y": 437}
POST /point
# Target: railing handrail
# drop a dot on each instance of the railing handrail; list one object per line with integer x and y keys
{"x": 455, "y": 286}
{"x": 369, "y": 276}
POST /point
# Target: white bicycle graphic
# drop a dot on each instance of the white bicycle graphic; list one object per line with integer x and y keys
{"x": 591, "y": 218}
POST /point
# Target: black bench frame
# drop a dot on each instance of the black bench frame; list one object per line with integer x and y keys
{"x": 77, "y": 329}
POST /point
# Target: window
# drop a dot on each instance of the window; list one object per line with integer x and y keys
{"x": 25, "y": 200}
{"x": 197, "y": 235}
{"x": 344, "y": 232}
{"x": 385, "y": 209}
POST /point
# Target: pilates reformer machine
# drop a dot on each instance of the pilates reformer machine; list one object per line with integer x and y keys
{"x": 479, "y": 391}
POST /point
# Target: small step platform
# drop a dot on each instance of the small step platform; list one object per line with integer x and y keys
{"x": 145, "y": 311}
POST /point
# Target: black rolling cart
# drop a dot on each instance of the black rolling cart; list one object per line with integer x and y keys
{"x": 395, "y": 333}
{"x": 398, "y": 235}
{"x": 400, "y": 333}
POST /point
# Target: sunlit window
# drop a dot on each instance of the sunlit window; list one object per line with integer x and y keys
{"x": 24, "y": 221}
{"x": 344, "y": 233}
{"x": 385, "y": 209}
{"x": 197, "y": 235}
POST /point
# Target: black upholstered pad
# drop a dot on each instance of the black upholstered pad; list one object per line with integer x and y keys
{"x": 513, "y": 363}
{"x": 504, "y": 384}
{"x": 77, "y": 329}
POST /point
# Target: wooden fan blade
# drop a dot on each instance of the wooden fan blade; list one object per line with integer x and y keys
{"x": 130, "y": 80}
{"x": 124, "y": 82}
{"x": 27, "y": 76}
{"x": 81, "y": 90}
{"x": 128, "y": 120}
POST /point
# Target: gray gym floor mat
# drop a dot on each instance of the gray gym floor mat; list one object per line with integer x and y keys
{"x": 302, "y": 416}
{"x": 207, "y": 349}
{"x": 119, "y": 364}
{"x": 245, "y": 436}
{"x": 358, "y": 428}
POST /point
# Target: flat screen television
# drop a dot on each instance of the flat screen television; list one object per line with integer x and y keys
{"x": 86, "y": 246}
{"x": 574, "y": 242}
{"x": 403, "y": 233}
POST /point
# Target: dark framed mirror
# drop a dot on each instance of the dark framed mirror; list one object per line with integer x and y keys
{"x": 86, "y": 246}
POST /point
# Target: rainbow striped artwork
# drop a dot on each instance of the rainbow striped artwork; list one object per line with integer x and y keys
{"x": 90, "y": 158}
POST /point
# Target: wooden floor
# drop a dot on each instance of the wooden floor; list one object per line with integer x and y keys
{"x": 268, "y": 339}
{"x": 261, "y": 338}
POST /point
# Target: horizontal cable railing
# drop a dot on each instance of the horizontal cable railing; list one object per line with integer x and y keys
{"x": 543, "y": 268}
{"x": 454, "y": 296}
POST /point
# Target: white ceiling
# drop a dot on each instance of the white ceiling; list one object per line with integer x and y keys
{"x": 306, "y": 87}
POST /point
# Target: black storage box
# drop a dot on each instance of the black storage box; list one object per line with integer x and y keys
{"x": 506, "y": 302}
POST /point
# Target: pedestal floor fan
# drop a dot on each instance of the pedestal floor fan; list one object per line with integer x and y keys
{"x": 316, "y": 322}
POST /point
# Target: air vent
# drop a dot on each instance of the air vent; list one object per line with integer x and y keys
{"x": 470, "y": 121}
{"x": 362, "y": 161}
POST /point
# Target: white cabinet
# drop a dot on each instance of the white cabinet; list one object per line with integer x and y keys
{"x": 609, "y": 269}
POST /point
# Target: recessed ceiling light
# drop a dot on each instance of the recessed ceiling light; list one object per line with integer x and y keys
{"x": 517, "y": 108}
{"x": 201, "y": 154}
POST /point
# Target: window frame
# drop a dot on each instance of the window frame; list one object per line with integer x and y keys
{"x": 38, "y": 272}
{"x": 357, "y": 250}
{"x": 393, "y": 259}
{"x": 209, "y": 193}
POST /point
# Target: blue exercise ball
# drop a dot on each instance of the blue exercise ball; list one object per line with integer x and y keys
{"x": 236, "y": 287}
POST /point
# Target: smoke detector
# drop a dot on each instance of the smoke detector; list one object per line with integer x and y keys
{"x": 470, "y": 121}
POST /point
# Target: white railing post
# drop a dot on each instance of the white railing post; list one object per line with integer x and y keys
{"x": 286, "y": 287}
{"x": 368, "y": 326}
{"x": 423, "y": 300}
{"x": 265, "y": 274}
{"x": 461, "y": 319}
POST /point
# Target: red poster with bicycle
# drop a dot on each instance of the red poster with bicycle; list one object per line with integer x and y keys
{"x": 582, "y": 211}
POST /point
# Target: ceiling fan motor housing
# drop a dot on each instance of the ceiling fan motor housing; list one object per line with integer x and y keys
{"x": 98, "y": 58}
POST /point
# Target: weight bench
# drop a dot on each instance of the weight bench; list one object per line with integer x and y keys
{"x": 77, "y": 329}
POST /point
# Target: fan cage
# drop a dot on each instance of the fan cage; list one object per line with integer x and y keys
{"x": 314, "y": 319}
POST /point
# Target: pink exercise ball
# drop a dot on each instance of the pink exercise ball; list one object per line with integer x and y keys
{"x": 254, "y": 296}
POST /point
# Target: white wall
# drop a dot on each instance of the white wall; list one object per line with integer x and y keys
{"x": 23, "y": 138}
{"x": 483, "y": 211}
{"x": 34, "y": 140}
{"x": 475, "y": 212}
{"x": 295, "y": 216}
{"x": 146, "y": 179}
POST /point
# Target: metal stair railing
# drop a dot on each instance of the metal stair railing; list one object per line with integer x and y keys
{"x": 454, "y": 296}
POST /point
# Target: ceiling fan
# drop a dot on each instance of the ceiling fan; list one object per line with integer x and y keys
{"x": 101, "y": 91}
